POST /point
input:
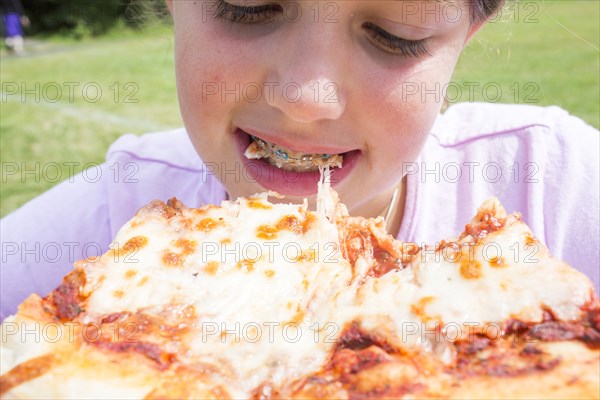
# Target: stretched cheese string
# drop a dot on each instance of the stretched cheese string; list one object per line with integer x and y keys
{"x": 327, "y": 200}
{"x": 325, "y": 197}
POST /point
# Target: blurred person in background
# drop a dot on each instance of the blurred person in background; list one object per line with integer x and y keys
{"x": 13, "y": 19}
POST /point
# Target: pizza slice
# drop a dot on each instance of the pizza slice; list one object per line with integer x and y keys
{"x": 253, "y": 299}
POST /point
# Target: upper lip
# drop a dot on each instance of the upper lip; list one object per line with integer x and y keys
{"x": 296, "y": 146}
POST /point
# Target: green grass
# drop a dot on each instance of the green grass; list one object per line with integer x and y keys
{"x": 545, "y": 51}
{"x": 136, "y": 77}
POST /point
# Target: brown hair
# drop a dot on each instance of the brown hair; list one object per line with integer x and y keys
{"x": 484, "y": 9}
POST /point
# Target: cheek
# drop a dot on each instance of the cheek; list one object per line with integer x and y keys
{"x": 206, "y": 86}
{"x": 210, "y": 66}
{"x": 199, "y": 77}
{"x": 403, "y": 107}
{"x": 399, "y": 122}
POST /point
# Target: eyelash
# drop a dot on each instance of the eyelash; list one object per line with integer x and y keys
{"x": 266, "y": 13}
{"x": 396, "y": 45}
{"x": 246, "y": 14}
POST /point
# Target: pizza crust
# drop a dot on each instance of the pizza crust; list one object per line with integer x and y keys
{"x": 574, "y": 377}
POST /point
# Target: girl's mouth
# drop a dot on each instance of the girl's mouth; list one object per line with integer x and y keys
{"x": 290, "y": 172}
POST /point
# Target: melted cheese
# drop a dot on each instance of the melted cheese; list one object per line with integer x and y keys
{"x": 262, "y": 292}
{"x": 240, "y": 319}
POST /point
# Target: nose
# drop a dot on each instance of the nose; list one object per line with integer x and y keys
{"x": 307, "y": 78}
{"x": 308, "y": 100}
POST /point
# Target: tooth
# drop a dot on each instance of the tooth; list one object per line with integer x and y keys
{"x": 255, "y": 151}
{"x": 289, "y": 160}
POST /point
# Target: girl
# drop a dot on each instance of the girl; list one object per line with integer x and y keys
{"x": 267, "y": 87}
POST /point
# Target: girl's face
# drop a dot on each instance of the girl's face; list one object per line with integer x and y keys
{"x": 362, "y": 78}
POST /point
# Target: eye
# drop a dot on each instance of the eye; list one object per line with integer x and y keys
{"x": 246, "y": 14}
{"x": 394, "y": 44}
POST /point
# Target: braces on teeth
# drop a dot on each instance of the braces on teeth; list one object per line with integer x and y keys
{"x": 289, "y": 160}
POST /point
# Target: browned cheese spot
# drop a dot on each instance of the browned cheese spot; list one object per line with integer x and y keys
{"x": 130, "y": 273}
{"x": 130, "y": 247}
{"x": 171, "y": 259}
{"x": 207, "y": 224}
{"x": 299, "y": 316}
{"x": 186, "y": 246}
{"x": 310, "y": 218}
{"x": 266, "y": 232}
{"x": 419, "y": 309}
{"x": 211, "y": 268}
{"x": 143, "y": 281}
{"x": 498, "y": 262}
{"x": 309, "y": 255}
{"x": 258, "y": 204}
{"x": 470, "y": 269}
{"x": 134, "y": 244}
{"x": 269, "y": 273}
{"x": 530, "y": 240}
{"x": 288, "y": 222}
{"x": 246, "y": 265}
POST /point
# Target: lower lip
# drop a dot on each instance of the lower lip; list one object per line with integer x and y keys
{"x": 290, "y": 183}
